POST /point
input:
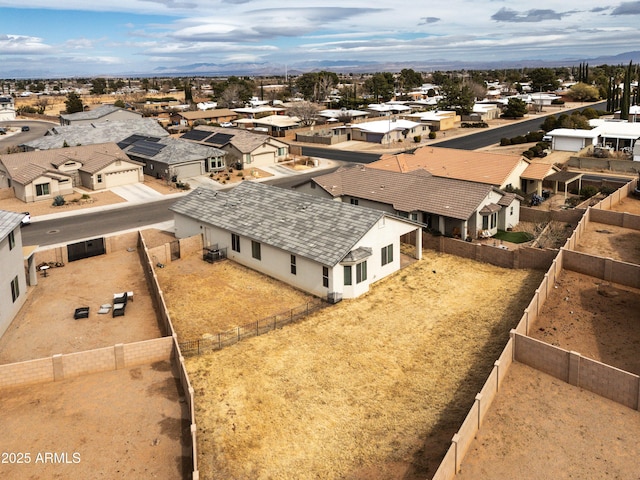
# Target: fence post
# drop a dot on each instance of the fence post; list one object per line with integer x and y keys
{"x": 238, "y": 334}
{"x": 219, "y": 343}
{"x": 257, "y": 329}
{"x": 198, "y": 346}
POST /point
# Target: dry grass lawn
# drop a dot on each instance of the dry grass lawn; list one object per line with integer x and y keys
{"x": 368, "y": 388}
{"x": 205, "y": 298}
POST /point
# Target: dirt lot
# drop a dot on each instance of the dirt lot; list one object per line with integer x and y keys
{"x": 121, "y": 424}
{"x": 46, "y": 208}
{"x": 610, "y": 241}
{"x": 368, "y": 388}
{"x": 205, "y": 298}
{"x": 629, "y": 205}
{"x": 45, "y": 325}
{"x": 540, "y": 428}
{"x": 594, "y": 318}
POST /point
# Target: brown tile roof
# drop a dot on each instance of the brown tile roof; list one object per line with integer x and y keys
{"x": 467, "y": 165}
{"x": 415, "y": 191}
{"x": 25, "y": 167}
{"x": 537, "y": 171}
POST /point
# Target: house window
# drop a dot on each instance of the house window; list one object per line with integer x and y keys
{"x": 354, "y": 201}
{"x": 282, "y": 152}
{"x": 15, "y": 288}
{"x": 387, "y": 254}
{"x": 12, "y": 241}
{"x": 235, "y": 242}
{"x": 247, "y": 158}
{"x": 42, "y": 189}
{"x": 325, "y": 277}
{"x": 255, "y": 250}
{"x": 151, "y": 166}
{"x": 511, "y": 210}
{"x": 494, "y": 220}
{"x": 293, "y": 264}
{"x": 361, "y": 272}
{"x": 347, "y": 275}
{"x": 99, "y": 176}
{"x": 485, "y": 222}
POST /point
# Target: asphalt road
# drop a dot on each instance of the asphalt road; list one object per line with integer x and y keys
{"x": 37, "y": 129}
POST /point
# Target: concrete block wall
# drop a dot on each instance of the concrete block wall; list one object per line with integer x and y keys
{"x": 56, "y": 254}
{"x": 541, "y": 356}
{"x": 191, "y": 245}
{"x": 120, "y": 242}
{"x": 161, "y": 254}
{"x": 25, "y": 373}
{"x": 607, "y": 269}
{"x": 89, "y": 361}
{"x": 148, "y": 351}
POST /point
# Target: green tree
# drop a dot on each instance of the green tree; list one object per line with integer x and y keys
{"x": 119, "y": 103}
{"x": 98, "y": 86}
{"x": 188, "y": 95}
{"x": 456, "y": 96}
{"x": 381, "y": 86}
{"x": 74, "y": 103}
{"x": 581, "y": 92}
{"x": 543, "y": 79}
{"x": 409, "y": 78}
{"x": 516, "y": 108}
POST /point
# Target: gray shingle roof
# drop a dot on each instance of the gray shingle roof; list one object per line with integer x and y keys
{"x": 320, "y": 229}
{"x": 94, "y": 114}
{"x": 407, "y": 192}
{"x": 8, "y": 222}
{"x": 179, "y": 151}
{"x": 244, "y": 140}
{"x": 100, "y": 132}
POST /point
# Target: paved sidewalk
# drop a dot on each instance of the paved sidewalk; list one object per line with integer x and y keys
{"x": 136, "y": 192}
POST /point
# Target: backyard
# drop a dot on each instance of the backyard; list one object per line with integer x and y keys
{"x": 373, "y": 387}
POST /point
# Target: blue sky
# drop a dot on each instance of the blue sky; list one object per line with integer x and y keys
{"x": 83, "y": 37}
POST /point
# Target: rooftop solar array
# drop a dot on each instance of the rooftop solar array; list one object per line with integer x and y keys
{"x": 219, "y": 139}
{"x": 197, "y": 135}
{"x": 146, "y": 148}
{"x": 136, "y": 138}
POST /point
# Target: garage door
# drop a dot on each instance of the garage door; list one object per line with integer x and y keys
{"x": 566, "y": 144}
{"x": 262, "y": 160}
{"x": 126, "y": 177}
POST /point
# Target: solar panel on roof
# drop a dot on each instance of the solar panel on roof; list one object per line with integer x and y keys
{"x": 130, "y": 140}
{"x": 197, "y": 135}
{"x": 146, "y": 148}
{"x": 219, "y": 139}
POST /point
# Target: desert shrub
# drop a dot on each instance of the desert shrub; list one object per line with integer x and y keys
{"x": 588, "y": 191}
{"x": 58, "y": 201}
{"x": 474, "y": 125}
{"x": 535, "y": 136}
{"x": 557, "y": 101}
{"x": 417, "y": 138}
{"x": 519, "y": 139}
{"x": 85, "y": 196}
{"x": 528, "y": 154}
{"x": 607, "y": 189}
{"x": 504, "y": 141}
{"x": 432, "y": 135}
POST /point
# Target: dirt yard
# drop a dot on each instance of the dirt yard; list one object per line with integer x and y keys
{"x": 205, "y": 298}
{"x": 121, "y": 424}
{"x": 369, "y": 388}
{"x": 45, "y": 325}
{"x": 629, "y": 205}
{"x": 74, "y": 202}
{"x": 540, "y": 428}
{"x": 597, "y": 319}
{"x": 610, "y": 241}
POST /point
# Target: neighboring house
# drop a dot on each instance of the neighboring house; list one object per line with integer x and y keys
{"x": 387, "y": 131}
{"x": 259, "y": 111}
{"x": 502, "y": 171}
{"x": 330, "y": 249}
{"x": 100, "y": 132}
{"x": 572, "y": 139}
{"x": 533, "y": 176}
{"x": 7, "y": 108}
{"x": 436, "y": 120}
{"x": 452, "y": 207}
{"x": 104, "y": 113}
{"x": 173, "y": 159}
{"x": 220, "y": 115}
{"x": 42, "y": 175}
{"x": 244, "y": 149}
{"x": 13, "y": 280}
{"x": 619, "y": 135}
{"x": 274, "y": 125}
{"x": 334, "y": 115}
{"x": 386, "y": 109}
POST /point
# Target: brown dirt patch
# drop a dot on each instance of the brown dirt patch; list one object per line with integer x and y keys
{"x": 154, "y": 237}
{"x": 370, "y": 387}
{"x": 160, "y": 185}
{"x": 45, "y": 207}
{"x": 610, "y": 241}
{"x": 45, "y": 325}
{"x": 629, "y": 205}
{"x": 540, "y": 427}
{"x": 121, "y": 424}
{"x": 597, "y": 319}
{"x": 205, "y": 298}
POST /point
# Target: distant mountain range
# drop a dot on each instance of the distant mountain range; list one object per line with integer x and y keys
{"x": 355, "y": 66}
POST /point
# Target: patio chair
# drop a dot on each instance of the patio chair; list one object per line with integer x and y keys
{"x": 105, "y": 308}
{"x": 118, "y": 310}
{"x": 120, "y": 298}
{"x": 82, "y": 312}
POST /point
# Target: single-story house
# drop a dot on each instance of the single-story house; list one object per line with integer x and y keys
{"x": 330, "y": 249}
{"x": 42, "y": 175}
{"x": 386, "y": 109}
{"x": 244, "y": 148}
{"x": 100, "y": 132}
{"x": 172, "y": 158}
{"x": 13, "y": 278}
{"x": 387, "y": 131}
{"x": 573, "y": 139}
{"x": 499, "y": 170}
{"x": 274, "y": 125}
{"x": 104, "y": 113}
{"x": 618, "y": 135}
{"x": 260, "y": 110}
{"x": 533, "y": 176}
{"x": 334, "y": 115}
{"x": 452, "y": 207}
{"x": 436, "y": 120}
{"x": 7, "y": 108}
{"x": 218, "y": 115}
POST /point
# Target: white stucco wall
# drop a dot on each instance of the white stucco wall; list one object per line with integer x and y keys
{"x": 11, "y": 264}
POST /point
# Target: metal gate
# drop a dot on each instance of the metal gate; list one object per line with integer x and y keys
{"x": 175, "y": 250}
{"x": 86, "y": 249}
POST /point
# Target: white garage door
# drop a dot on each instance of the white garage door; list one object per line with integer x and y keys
{"x": 567, "y": 144}
{"x": 262, "y": 160}
{"x": 126, "y": 177}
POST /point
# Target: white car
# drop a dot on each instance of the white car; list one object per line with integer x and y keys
{"x": 226, "y": 124}
{"x": 26, "y": 220}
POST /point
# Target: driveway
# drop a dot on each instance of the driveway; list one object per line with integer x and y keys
{"x": 137, "y": 192}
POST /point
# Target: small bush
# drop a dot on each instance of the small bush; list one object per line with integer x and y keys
{"x": 535, "y": 136}
{"x": 85, "y": 196}
{"x": 58, "y": 201}
{"x": 518, "y": 140}
{"x": 240, "y": 174}
{"x": 474, "y": 125}
{"x": 504, "y": 141}
{"x": 607, "y": 190}
{"x": 588, "y": 191}
{"x": 417, "y": 138}
{"x": 557, "y": 101}
{"x": 432, "y": 135}
{"x": 528, "y": 154}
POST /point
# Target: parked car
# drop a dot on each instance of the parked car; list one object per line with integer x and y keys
{"x": 26, "y": 220}
{"x": 226, "y": 124}
{"x": 25, "y": 128}
{"x": 3, "y": 131}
